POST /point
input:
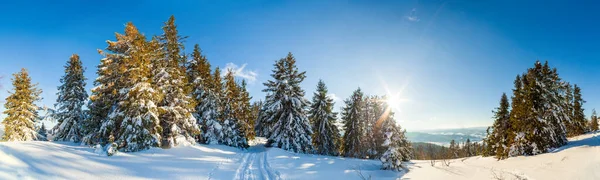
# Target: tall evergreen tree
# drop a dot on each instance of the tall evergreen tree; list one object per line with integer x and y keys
{"x": 69, "y": 104}
{"x": 42, "y": 133}
{"x": 285, "y": 115}
{"x": 245, "y": 112}
{"x": 20, "y": 109}
{"x": 398, "y": 148}
{"x": 198, "y": 71}
{"x": 325, "y": 133}
{"x": 594, "y": 121}
{"x": 498, "y": 138}
{"x": 353, "y": 125}
{"x": 233, "y": 129}
{"x": 175, "y": 107}
{"x": 136, "y": 113}
{"x": 539, "y": 120}
{"x": 98, "y": 127}
{"x": 578, "y": 122}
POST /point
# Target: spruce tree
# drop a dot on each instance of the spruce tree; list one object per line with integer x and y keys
{"x": 285, "y": 116}
{"x": 71, "y": 98}
{"x": 42, "y": 133}
{"x": 21, "y": 110}
{"x": 578, "y": 122}
{"x": 353, "y": 125}
{"x": 594, "y": 121}
{"x": 245, "y": 111}
{"x": 98, "y": 128}
{"x": 498, "y": 138}
{"x": 136, "y": 112}
{"x": 233, "y": 129}
{"x": 325, "y": 133}
{"x": 540, "y": 118}
{"x": 398, "y": 148}
{"x": 198, "y": 71}
{"x": 175, "y": 106}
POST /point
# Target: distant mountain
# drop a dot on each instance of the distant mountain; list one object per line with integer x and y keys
{"x": 444, "y": 136}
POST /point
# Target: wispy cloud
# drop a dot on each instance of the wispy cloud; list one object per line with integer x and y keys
{"x": 239, "y": 71}
{"x": 413, "y": 16}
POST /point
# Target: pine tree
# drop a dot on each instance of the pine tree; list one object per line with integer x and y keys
{"x": 285, "y": 116}
{"x": 42, "y": 133}
{"x": 245, "y": 112}
{"x": 136, "y": 111}
{"x": 498, "y": 138}
{"x": 325, "y": 134}
{"x": 255, "y": 109}
{"x": 20, "y": 110}
{"x": 71, "y": 98}
{"x": 233, "y": 129}
{"x": 353, "y": 125}
{"x": 398, "y": 148}
{"x": 99, "y": 128}
{"x": 594, "y": 121}
{"x": 540, "y": 117}
{"x": 198, "y": 71}
{"x": 175, "y": 107}
{"x": 578, "y": 122}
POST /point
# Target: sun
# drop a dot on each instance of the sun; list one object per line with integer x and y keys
{"x": 395, "y": 101}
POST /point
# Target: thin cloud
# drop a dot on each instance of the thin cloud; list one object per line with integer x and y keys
{"x": 239, "y": 71}
{"x": 413, "y": 16}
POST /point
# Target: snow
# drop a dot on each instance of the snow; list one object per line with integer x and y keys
{"x": 579, "y": 159}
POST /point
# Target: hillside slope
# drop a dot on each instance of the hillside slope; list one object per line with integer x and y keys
{"x": 579, "y": 159}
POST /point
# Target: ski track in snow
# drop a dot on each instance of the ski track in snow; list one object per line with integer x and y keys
{"x": 254, "y": 165}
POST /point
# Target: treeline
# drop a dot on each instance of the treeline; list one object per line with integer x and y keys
{"x": 545, "y": 110}
{"x": 429, "y": 151}
{"x": 149, "y": 93}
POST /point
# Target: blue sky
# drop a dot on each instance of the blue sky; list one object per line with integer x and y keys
{"x": 451, "y": 60}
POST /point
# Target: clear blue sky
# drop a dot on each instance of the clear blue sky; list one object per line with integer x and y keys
{"x": 451, "y": 59}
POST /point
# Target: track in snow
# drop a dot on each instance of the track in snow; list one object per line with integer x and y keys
{"x": 254, "y": 165}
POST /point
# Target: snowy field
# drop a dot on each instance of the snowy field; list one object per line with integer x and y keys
{"x": 580, "y": 159}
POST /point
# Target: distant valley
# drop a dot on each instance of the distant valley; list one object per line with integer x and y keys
{"x": 444, "y": 136}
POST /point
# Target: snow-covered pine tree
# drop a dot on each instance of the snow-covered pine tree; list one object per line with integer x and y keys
{"x": 398, "y": 147}
{"x": 200, "y": 79}
{"x": 99, "y": 127}
{"x": 540, "y": 120}
{"x": 42, "y": 133}
{"x": 257, "y": 107}
{"x": 369, "y": 147}
{"x": 175, "y": 106}
{"x": 578, "y": 122}
{"x": 21, "y": 110}
{"x": 285, "y": 116}
{"x": 212, "y": 132}
{"x": 594, "y": 121}
{"x": 69, "y": 104}
{"x": 353, "y": 125}
{"x": 137, "y": 111}
{"x": 381, "y": 110}
{"x": 498, "y": 138}
{"x": 233, "y": 130}
{"x": 245, "y": 112}
{"x": 325, "y": 133}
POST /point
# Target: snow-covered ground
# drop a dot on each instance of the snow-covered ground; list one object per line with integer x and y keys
{"x": 580, "y": 159}
{"x": 52, "y": 160}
